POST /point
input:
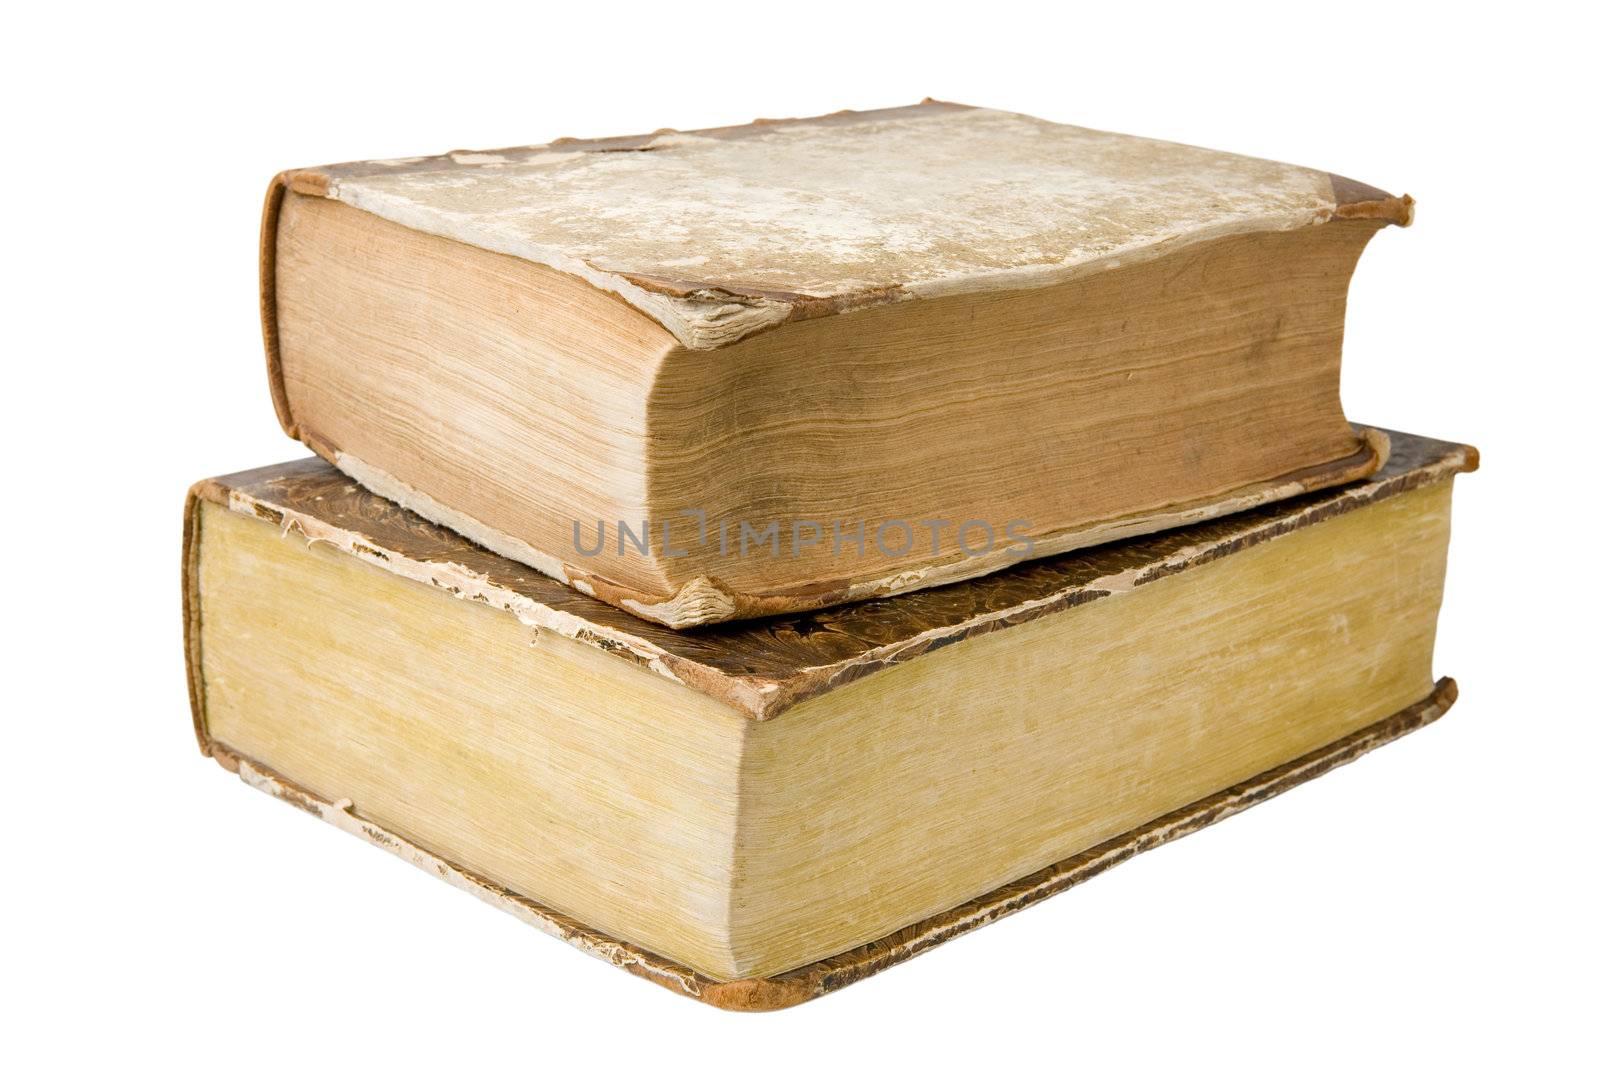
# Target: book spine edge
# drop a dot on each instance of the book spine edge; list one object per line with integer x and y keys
{"x": 198, "y": 493}
{"x": 268, "y": 265}
{"x": 311, "y": 182}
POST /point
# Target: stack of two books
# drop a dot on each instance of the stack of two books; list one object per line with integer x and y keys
{"x": 758, "y": 555}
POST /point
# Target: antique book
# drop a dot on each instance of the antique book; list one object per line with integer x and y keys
{"x": 769, "y": 368}
{"x": 761, "y": 812}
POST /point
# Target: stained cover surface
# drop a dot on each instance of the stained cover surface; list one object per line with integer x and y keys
{"x": 719, "y": 233}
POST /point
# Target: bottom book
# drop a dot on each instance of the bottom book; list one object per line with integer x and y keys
{"x": 762, "y": 813}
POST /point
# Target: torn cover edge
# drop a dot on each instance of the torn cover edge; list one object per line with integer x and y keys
{"x": 703, "y": 315}
{"x": 757, "y": 697}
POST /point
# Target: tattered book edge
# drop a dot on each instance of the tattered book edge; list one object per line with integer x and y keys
{"x": 757, "y": 697}
{"x": 705, "y": 600}
{"x": 825, "y": 976}
{"x": 695, "y": 311}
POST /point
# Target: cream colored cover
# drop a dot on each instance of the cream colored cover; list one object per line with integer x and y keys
{"x": 716, "y": 234}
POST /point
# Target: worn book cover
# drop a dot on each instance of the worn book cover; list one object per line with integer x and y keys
{"x": 758, "y": 813}
{"x": 736, "y": 372}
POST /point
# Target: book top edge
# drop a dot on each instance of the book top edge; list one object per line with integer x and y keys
{"x": 762, "y": 667}
{"x": 718, "y": 234}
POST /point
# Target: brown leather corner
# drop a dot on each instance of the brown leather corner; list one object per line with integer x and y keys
{"x": 1358, "y": 200}
{"x": 310, "y": 182}
{"x": 757, "y": 994}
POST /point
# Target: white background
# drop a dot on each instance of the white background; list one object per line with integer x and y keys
{"x": 1434, "y": 900}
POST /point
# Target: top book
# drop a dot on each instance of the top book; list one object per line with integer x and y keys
{"x": 769, "y": 368}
